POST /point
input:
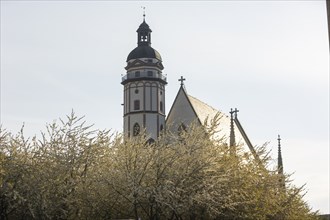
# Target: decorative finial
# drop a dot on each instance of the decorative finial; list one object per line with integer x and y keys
{"x": 279, "y": 141}
{"x": 280, "y": 165}
{"x": 232, "y": 112}
{"x": 144, "y": 12}
{"x": 279, "y": 160}
{"x": 181, "y": 80}
{"x": 232, "y": 132}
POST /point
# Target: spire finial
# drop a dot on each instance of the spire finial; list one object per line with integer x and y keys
{"x": 232, "y": 132}
{"x": 144, "y": 12}
{"x": 280, "y": 165}
{"x": 181, "y": 80}
{"x": 234, "y": 111}
{"x": 279, "y": 141}
{"x": 279, "y": 160}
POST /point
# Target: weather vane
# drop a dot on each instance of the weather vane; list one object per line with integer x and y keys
{"x": 144, "y": 12}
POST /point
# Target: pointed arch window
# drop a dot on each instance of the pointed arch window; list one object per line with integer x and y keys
{"x": 150, "y": 141}
{"x": 182, "y": 129}
{"x": 136, "y": 129}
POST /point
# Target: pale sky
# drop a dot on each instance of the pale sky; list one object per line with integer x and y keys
{"x": 269, "y": 59}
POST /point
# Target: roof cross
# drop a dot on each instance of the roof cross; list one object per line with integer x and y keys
{"x": 181, "y": 80}
{"x": 232, "y": 132}
{"x": 233, "y": 111}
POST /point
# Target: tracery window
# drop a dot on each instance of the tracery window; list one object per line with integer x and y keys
{"x": 181, "y": 129}
{"x": 136, "y": 129}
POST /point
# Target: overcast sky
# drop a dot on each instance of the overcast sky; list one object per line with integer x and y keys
{"x": 269, "y": 59}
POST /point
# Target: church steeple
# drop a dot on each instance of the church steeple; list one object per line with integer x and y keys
{"x": 280, "y": 165}
{"x": 144, "y": 88}
{"x": 279, "y": 158}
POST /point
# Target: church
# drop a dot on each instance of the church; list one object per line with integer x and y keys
{"x": 144, "y": 101}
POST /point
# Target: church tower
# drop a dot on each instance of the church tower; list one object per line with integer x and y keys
{"x": 144, "y": 88}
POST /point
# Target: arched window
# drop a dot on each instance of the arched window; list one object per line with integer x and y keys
{"x": 150, "y": 141}
{"x": 136, "y": 129}
{"x": 136, "y": 104}
{"x": 181, "y": 129}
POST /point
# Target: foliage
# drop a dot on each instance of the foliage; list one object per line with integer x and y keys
{"x": 73, "y": 172}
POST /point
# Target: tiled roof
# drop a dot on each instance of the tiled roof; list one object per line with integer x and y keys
{"x": 204, "y": 111}
{"x": 206, "y": 114}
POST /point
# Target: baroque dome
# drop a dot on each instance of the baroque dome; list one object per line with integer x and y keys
{"x": 144, "y": 51}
